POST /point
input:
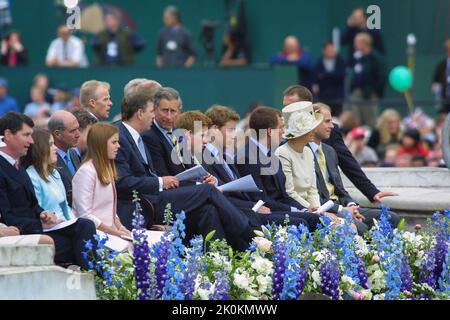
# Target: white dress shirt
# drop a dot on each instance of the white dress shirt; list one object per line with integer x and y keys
{"x": 73, "y": 51}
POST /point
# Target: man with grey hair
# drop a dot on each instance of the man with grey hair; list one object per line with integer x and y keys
{"x": 66, "y": 131}
{"x": 159, "y": 139}
{"x": 95, "y": 98}
{"x": 133, "y": 85}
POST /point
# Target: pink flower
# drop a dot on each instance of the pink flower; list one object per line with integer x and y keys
{"x": 376, "y": 258}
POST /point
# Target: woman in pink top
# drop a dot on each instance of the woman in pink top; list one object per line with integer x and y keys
{"x": 94, "y": 192}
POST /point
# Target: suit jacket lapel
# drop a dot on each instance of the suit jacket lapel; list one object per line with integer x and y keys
{"x": 321, "y": 184}
{"x": 126, "y": 133}
{"x": 20, "y": 176}
{"x": 75, "y": 159}
{"x": 61, "y": 164}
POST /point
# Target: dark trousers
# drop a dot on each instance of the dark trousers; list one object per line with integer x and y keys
{"x": 232, "y": 222}
{"x": 70, "y": 241}
{"x": 369, "y": 216}
{"x": 311, "y": 218}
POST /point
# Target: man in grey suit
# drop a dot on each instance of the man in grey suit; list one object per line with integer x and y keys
{"x": 329, "y": 182}
{"x": 66, "y": 131}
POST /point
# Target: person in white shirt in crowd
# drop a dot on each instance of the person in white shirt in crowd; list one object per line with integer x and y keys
{"x": 66, "y": 50}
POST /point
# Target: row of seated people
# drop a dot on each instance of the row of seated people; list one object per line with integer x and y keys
{"x": 36, "y": 195}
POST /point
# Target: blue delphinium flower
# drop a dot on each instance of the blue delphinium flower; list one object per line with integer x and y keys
{"x": 444, "y": 279}
{"x": 330, "y": 277}
{"x": 392, "y": 260}
{"x": 291, "y": 266}
{"x": 406, "y": 276}
{"x": 175, "y": 265}
{"x": 427, "y": 275}
{"x": 141, "y": 262}
{"x": 440, "y": 251}
{"x": 384, "y": 224}
{"x": 298, "y": 248}
{"x": 221, "y": 286}
{"x": 362, "y": 274}
{"x": 279, "y": 264}
{"x": 193, "y": 257}
{"x": 442, "y": 222}
{"x": 161, "y": 253}
{"x": 345, "y": 248}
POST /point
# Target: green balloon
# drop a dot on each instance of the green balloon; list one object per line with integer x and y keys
{"x": 401, "y": 79}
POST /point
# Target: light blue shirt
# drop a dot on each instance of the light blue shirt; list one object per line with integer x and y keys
{"x": 164, "y": 132}
{"x": 51, "y": 195}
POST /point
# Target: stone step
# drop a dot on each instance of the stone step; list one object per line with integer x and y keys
{"x": 45, "y": 283}
{"x": 14, "y": 256}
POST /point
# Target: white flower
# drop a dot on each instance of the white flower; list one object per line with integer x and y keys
{"x": 243, "y": 280}
{"x": 263, "y": 244}
{"x": 220, "y": 261}
{"x": 319, "y": 256}
{"x": 378, "y": 297}
{"x": 204, "y": 293}
{"x": 378, "y": 281}
{"x": 346, "y": 279}
{"x": 262, "y": 265}
{"x": 264, "y": 283}
{"x": 316, "y": 277}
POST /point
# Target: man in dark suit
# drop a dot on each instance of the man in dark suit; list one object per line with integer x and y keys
{"x": 347, "y": 162}
{"x": 206, "y": 208}
{"x": 160, "y": 139}
{"x": 256, "y": 158}
{"x": 18, "y": 203}
{"x": 441, "y": 80}
{"x": 329, "y": 182}
{"x": 65, "y": 130}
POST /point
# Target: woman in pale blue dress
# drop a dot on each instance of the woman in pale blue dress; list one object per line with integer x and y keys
{"x": 41, "y": 167}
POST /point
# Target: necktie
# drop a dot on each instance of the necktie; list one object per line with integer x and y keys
{"x": 229, "y": 171}
{"x": 16, "y": 165}
{"x": 65, "y": 53}
{"x": 176, "y": 145}
{"x": 141, "y": 148}
{"x": 323, "y": 168}
{"x": 69, "y": 163}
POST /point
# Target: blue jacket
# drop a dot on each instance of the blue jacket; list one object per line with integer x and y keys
{"x": 51, "y": 195}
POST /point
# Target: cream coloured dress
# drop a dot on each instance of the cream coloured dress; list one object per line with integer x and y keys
{"x": 298, "y": 167}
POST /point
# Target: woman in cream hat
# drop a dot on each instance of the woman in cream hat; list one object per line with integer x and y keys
{"x": 298, "y": 160}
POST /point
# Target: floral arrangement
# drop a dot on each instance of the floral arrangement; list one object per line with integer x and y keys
{"x": 282, "y": 263}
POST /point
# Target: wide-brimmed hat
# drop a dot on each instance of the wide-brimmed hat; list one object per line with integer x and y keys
{"x": 301, "y": 123}
{"x": 295, "y": 107}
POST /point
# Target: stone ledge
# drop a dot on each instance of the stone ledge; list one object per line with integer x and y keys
{"x": 405, "y": 177}
{"x": 411, "y": 200}
{"x": 38, "y": 255}
{"x": 45, "y": 283}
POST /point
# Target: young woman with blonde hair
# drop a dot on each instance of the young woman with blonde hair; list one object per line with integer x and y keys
{"x": 94, "y": 191}
{"x": 388, "y": 132}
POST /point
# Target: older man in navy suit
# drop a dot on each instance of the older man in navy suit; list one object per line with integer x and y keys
{"x": 206, "y": 208}
{"x": 18, "y": 203}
